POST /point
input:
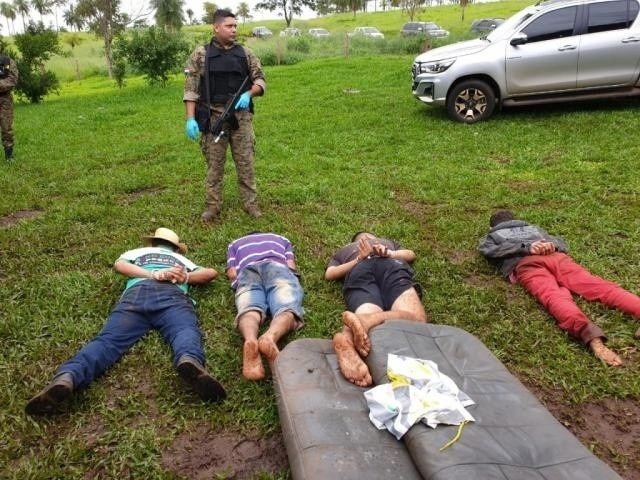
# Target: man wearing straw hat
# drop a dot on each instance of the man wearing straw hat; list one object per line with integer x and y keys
{"x": 155, "y": 297}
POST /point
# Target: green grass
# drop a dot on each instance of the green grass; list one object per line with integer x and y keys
{"x": 104, "y": 166}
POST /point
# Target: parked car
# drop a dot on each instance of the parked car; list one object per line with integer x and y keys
{"x": 550, "y": 52}
{"x": 427, "y": 29}
{"x": 319, "y": 32}
{"x": 261, "y": 32}
{"x": 290, "y": 32}
{"x": 370, "y": 32}
{"x": 485, "y": 25}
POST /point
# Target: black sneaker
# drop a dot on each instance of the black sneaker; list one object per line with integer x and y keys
{"x": 194, "y": 374}
{"x": 52, "y": 396}
{"x": 8, "y": 153}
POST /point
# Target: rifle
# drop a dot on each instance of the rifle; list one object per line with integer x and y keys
{"x": 228, "y": 116}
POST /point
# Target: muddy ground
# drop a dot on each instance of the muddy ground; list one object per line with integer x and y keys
{"x": 610, "y": 428}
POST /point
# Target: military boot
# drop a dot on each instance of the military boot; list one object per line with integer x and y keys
{"x": 253, "y": 211}
{"x": 52, "y": 396}
{"x": 210, "y": 215}
{"x": 195, "y": 375}
{"x": 8, "y": 153}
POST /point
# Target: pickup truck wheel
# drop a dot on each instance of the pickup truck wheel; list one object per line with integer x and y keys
{"x": 471, "y": 101}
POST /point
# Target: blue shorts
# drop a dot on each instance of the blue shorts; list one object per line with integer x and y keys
{"x": 270, "y": 289}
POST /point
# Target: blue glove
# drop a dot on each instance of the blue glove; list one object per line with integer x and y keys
{"x": 192, "y": 128}
{"x": 243, "y": 101}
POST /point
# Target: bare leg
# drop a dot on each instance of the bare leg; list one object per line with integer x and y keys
{"x": 407, "y": 307}
{"x": 351, "y": 365}
{"x": 248, "y": 324}
{"x": 280, "y": 325}
{"x": 603, "y": 353}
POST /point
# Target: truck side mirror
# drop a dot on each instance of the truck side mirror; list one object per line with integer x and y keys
{"x": 519, "y": 39}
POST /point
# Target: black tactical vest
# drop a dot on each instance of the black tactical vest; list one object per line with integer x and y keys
{"x": 5, "y": 66}
{"x": 227, "y": 70}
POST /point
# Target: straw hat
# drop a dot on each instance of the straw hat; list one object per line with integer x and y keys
{"x": 168, "y": 236}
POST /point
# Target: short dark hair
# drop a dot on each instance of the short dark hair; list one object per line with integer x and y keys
{"x": 222, "y": 13}
{"x": 500, "y": 216}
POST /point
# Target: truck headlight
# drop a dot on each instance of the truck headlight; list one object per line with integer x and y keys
{"x": 436, "y": 67}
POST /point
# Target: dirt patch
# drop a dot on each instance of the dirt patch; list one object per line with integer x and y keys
{"x": 610, "y": 428}
{"x": 204, "y": 454}
{"x": 13, "y": 218}
{"x": 142, "y": 192}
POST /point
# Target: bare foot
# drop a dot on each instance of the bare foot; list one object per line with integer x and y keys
{"x": 268, "y": 348}
{"x": 252, "y": 368}
{"x": 351, "y": 365}
{"x": 360, "y": 338}
{"x": 603, "y": 353}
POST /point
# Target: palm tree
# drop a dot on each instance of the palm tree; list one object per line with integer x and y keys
{"x": 55, "y": 4}
{"x": 190, "y": 15}
{"x": 8, "y": 11}
{"x": 168, "y": 13}
{"x": 22, "y": 7}
{"x": 43, "y": 7}
{"x": 72, "y": 19}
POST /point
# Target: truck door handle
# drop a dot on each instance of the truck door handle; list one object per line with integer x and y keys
{"x": 567, "y": 47}
{"x": 631, "y": 39}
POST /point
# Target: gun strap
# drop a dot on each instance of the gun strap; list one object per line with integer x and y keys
{"x": 207, "y": 87}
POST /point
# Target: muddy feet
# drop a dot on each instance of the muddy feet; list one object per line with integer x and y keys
{"x": 252, "y": 368}
{"x": 351, "y": 365}
{"x": 360, "y": 338}
{"x": 603, "y": 353}
{"x": 268, "y": 348}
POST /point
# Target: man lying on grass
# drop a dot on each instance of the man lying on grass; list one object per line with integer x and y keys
{"x": 378, "y": 286}
{"x": 528, "y": 255}
{"x": 155, "y": 297}
{"x": 262, "y": 270}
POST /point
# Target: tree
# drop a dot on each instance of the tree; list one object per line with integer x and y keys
{"x": 350, "y": 6}
{"x": 154, "y": 52}
{"x": 104, "y": 19}
{"x": 72, "y": 19}
{"x": 168, "y": 13}
{"x": 55, "y": 4}
{"x": 43, "y": 7}
{"x": 8, "y": 11}
{"x": 209, "y": 9}
{"x": 22, "y": 7}
{"x": 410, "y": 6}
{"x": 36, "y": 46}
{"x": 189, "y": 13}
{"x": 243, "y": 12}
{"x": 289, "y": 8}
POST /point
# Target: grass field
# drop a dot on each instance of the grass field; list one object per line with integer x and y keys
{"x": 342, "y": 146}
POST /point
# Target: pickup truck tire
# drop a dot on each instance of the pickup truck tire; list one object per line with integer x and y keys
{"x": 471, "y": 101}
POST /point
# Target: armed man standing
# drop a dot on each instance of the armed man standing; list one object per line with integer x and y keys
{"x": 214, "y": 76}
{"x": 8, "y": 80}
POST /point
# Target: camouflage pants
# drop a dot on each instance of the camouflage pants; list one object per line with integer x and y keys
{"x": 242, "y": 142}
{"x": 6, "y": 119}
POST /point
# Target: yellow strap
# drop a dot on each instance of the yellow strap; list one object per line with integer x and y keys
{"x": 455, "y": 439}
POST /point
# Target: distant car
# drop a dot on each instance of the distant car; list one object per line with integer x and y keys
{"x": 370, "y": 32}
{"x": 290, "y": 32}
{"x": 261, "y": 32}
{"x": 485, "y": 25}
{"x": 426, "y": 29}
{"x": 319, "y": 32}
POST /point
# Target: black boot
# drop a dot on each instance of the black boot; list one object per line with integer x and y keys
{"x": 195, "y": 375}
{"x": 52, "y": 396}
{"x": 8, "y": 153}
